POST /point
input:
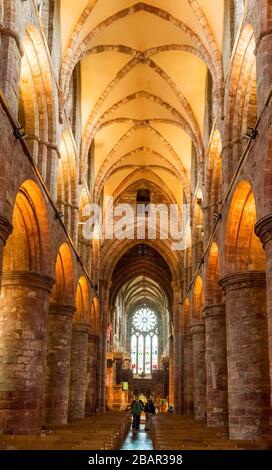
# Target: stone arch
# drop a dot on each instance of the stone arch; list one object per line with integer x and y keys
{"x": 112, "y": 252}
{"x": 63, "y": 291}
{"x": 241, "y": 108}
{"x": 95, "y": 316}
{"x": 85, "y": 246}
{"x": 186, "y": 314}
{"x": 37, "y": 112}
{"x": 198, "y": 300}
{"x": 155, "y": 183}
{"x": 92, "y": 120}
{"x": 243, "y": 249}
{"x": 73, "y": 56}
{"x": 213, "y": 290}
{"x": 213, "y": 185}
{"x": 59, "y": 332}
{"x": 83, "y": 310}
{"x": 24, "y": 302}
{"x": 67, "y": 197}
{"x": 28, "y": 248}
{"x": 197, "y": 232}
{"x": 94, "y": 126}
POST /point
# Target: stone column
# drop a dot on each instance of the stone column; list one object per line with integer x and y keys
{"x": 5, "y": 231}
{"x": 78, "y": 374}
{"x": 199, "y": 370}
{"x": 59, "y": 335}
{"x": 171, "y": 373}
{"x": 188, "y": 375}
{"x": 263, "y": 230}
{"x": 11, "y": 53}
{"x": 216, "y": 365}
{"x": 247, "y": 354}
{"x": 91, "y": 375}
{"x": 177, "y": 356}
{"x": 98, "y": 375}
{"x": 104, "y": 293}
{"x": 23, "y": 324}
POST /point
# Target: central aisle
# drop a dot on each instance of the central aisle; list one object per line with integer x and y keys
{"x": 141, "y": 441}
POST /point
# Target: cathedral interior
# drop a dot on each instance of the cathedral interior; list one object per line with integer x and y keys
{"x": 117, "y": 105}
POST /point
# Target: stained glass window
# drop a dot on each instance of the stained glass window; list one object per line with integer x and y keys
{"x": 144, "y": 341}
{"x": 134, "y": 353}
{"x": 155, "y": 353}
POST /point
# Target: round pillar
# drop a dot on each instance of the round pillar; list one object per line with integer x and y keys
{"x": 5, "y": 231}
{"x": 216, "y": 365}
{"x": 78, "y": 374}
{"x": 91, "y": 375}
{"x": 59, "y": 335}
{"x": 23, "y": 324}
{"x": 177, "y": 344}
{"x": 247, "y": 354}
{"x": 199, "y": 370}
{"x": 171, "y": 395}
{"x": 104, "y": 287}
{"x": 188, "y": 375}
{"x": 98, "y": 375}
{"x": 263, "y": 230}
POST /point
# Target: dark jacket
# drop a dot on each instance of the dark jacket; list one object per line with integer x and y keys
{"x": 136, "y": 408}
{"x": 149, "y": 407}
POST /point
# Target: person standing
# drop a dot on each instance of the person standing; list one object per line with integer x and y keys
{"x": 136, "y": 410}
{"x": 150, "y": 410}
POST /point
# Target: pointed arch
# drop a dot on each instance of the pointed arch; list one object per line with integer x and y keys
{"x": 29, "y": 247}
{"x": 37, "y": 112}
{"x": 244, "y": 251}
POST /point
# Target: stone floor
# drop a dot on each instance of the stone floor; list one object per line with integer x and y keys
{"x": 141, "y": 441}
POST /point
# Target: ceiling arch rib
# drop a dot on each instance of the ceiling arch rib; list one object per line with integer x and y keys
{"x": 142, "y": 94}
{"x": 108, "y": 160}
{"x": 93, "y": 118}
{"x": 140, "y": 177}
{"x": 119, "y": 165}
{"x": 70, "y": 60}
{"x": 143, "y": 73}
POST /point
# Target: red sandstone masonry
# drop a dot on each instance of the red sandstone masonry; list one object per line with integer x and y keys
{"x": 23, "y": 322}
{"x": 91, "y": 375}
{"x": 79, "y": 351}
{"x": 59, "y": 336}
{"x": 247, "y": 354}
{"x": 188, "y": 376}
{"x": 199, "y": 370}
{"x": 216, "y": 365}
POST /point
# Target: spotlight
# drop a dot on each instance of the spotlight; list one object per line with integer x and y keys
{"x": 59, "y": 215}
{"x": 19, "y": 133}
{"x": 251, "y": 133}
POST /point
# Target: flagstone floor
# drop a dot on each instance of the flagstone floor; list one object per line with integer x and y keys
{"x": 141, "y": 441}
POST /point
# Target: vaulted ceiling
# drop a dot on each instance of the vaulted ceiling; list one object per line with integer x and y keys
{"x": 143, "y": 84}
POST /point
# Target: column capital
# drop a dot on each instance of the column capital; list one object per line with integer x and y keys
{"x": 214, "y": 310}
{"x": 79, "y": 327}
{"x": 91, "y": 335}
{"x": 5, "y": 228}
{"x": 245, "y": 279}
{"x": 27, "y": 279}
{"x": 263, "y": 229}
{"x": 188, "y": 335}
{"x": 198, "y": 328}
{"x": 62, "y": 310}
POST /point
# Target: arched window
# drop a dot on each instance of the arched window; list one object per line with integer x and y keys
{"x": 143, "y": 196}
{"x": 144, "y": 341}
